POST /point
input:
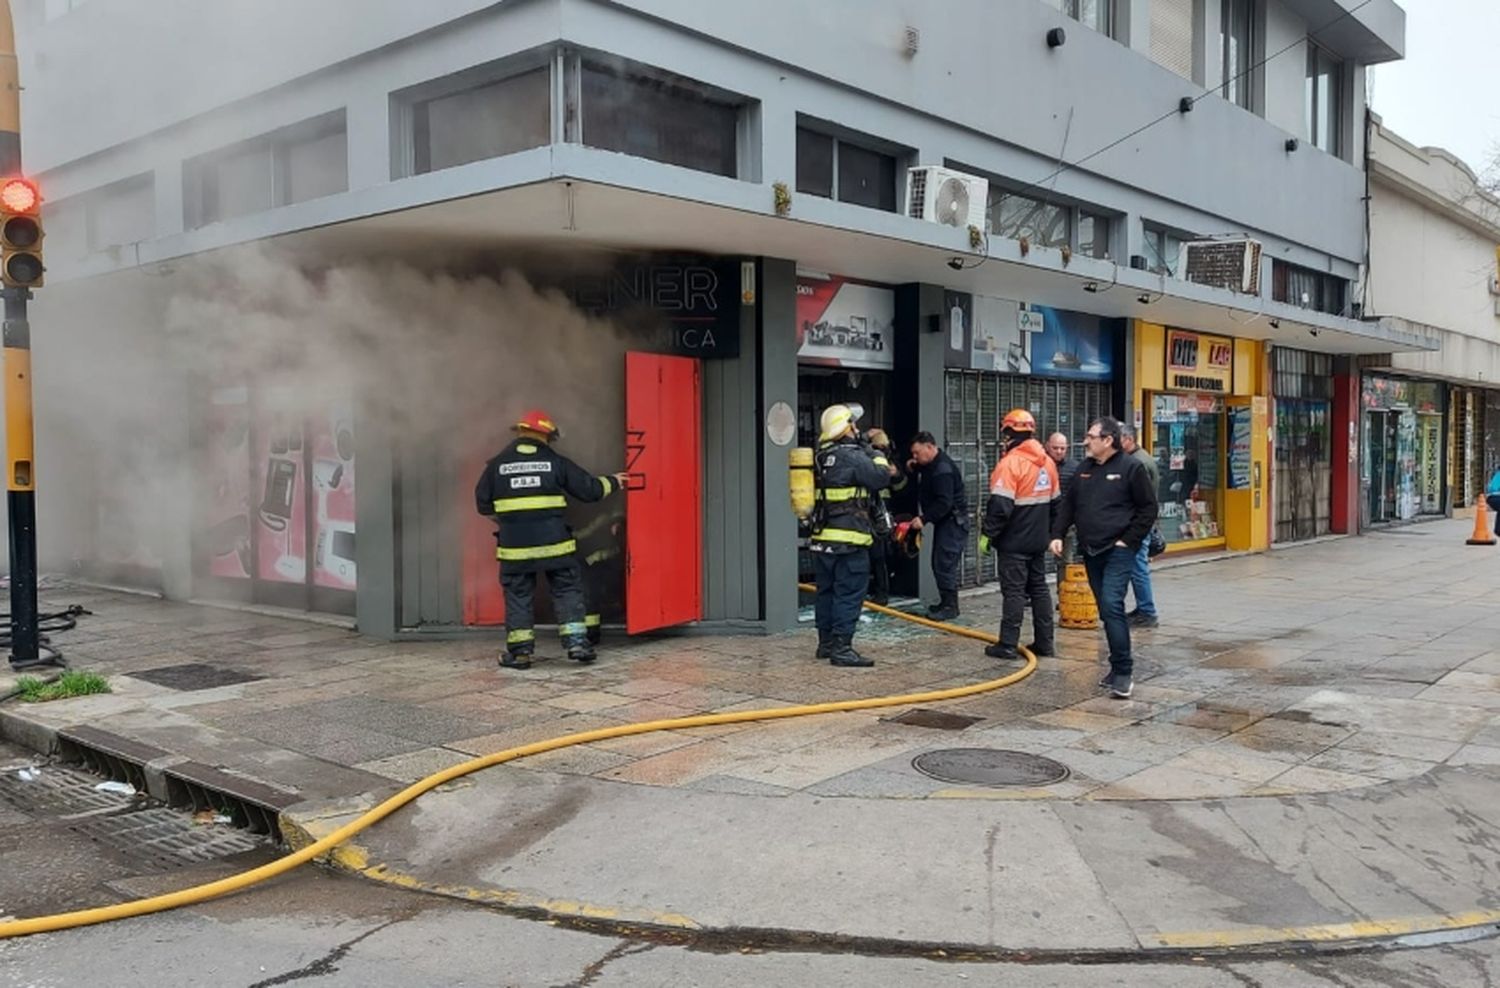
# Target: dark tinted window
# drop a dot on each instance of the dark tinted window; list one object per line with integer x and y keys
{"x": 814, "y": 163}
{"x": 866, "y": 178}
{"x": 654, "y": 118}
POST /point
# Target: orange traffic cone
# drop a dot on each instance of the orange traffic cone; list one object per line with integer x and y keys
{"x": 1482, "y": 534}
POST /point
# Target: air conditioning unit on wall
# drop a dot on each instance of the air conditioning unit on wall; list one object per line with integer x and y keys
{"x": 1231, "y": 264}
{"x": 941, "y": 195}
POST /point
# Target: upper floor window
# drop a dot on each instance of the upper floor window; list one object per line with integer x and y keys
{"x": 1172, "y": 35}
{"x": 1236, "y": 44}
{"x": 843, "y": 169}
{"x": 1163, "y": 249}
{"x": 1049, "y": 224}
{"x": 494, "y": 118}
{"x": 1316, "y": 290}
{"x": 1324, "y": 103}
{"x": 648, "y": 113}
{"x": 294, "y": 164}
{"x": 1097, "y": 14}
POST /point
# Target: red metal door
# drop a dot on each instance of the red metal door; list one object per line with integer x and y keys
{"x": 664, "y": 502}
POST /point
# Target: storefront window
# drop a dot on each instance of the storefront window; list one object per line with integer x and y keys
{"x": 1401, "y": 459}
{"x": 1188, "y": 441}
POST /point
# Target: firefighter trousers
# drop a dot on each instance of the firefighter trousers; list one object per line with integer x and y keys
{"x": 567, "y": 599}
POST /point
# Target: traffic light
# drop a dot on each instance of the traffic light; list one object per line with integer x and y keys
{"x": 20, "y": 234}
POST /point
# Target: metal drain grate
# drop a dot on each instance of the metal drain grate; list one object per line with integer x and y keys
{"x": 153, "y": 835}
{"x": 194, "y": 676}
{"x": 166, "y": 838}
{"x": 990, "y": 767}
{"x": 936, "y": 719}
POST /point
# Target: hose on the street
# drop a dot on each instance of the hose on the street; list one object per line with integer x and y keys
{"x": 212, "y": 890}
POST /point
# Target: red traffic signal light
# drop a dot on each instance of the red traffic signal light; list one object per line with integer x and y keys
{"x": 18, "y": 195}
{"x": 20, "y": 234}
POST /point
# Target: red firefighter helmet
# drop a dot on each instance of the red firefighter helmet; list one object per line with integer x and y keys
{"x": 1018, "y": 420}
{"x": 908, "y": 539}
{"x": 539, "y": 422}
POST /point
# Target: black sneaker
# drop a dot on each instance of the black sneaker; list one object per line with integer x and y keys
{"x": 1042, "y": 651}
{"x": 1121, "y": 687}
{"x": 1001, "y": 652}
{"x": 1139, "y": 620}
{"x": 515, "y": 661}
{"x": 1107, "y": 681}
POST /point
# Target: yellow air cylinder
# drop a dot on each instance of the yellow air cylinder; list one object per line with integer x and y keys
{"x": 800, "y": 481}
{"x": 1075, "y": 601}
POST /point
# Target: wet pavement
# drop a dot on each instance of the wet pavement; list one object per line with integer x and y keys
{"x": 1311, "y": 669}
{"x": 1314, "y": 723}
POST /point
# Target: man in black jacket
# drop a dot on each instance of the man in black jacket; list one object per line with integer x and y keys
{"x": 1113, "y": 505}
{"x": 943, "y": 513}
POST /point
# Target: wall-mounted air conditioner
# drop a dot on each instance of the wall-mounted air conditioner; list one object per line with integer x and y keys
{"x": 1231, "y": 264}
{"x": 941, "y": 195}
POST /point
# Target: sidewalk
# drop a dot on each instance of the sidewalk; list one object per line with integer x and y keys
{"x": 1311, "y": 753}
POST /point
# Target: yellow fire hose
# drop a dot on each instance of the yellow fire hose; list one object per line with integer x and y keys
{"x": 211, "y": 890}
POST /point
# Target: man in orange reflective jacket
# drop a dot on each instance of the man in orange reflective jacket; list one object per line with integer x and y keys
{"x": 1017, "y": 525}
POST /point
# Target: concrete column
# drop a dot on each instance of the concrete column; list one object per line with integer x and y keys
{"x": 375, "y": 525}
{"x": 776, "y": 339}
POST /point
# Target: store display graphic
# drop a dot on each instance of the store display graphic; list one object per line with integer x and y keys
{"x": 841, "y": 323}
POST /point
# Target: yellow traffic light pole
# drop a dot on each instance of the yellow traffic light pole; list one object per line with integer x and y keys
{"x": 27, "y": 650}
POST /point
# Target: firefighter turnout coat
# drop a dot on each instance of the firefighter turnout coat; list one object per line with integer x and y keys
{"x": 524, "y": 489}
{"x": 848, "y": 477}
{"x": 1024, "y": 493}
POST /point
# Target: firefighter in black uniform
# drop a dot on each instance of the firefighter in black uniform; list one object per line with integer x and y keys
{"x": 849, "y": 477}
{"x": 524, "y": 489}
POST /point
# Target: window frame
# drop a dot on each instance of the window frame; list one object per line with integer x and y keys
{"x": 200, "y": 173}
{"x": 1330, "y": 293}
{"x": 404, "y": 102}
{"x": 1148, "y": 229}
{"x": 1244, "y": 76}
{"x": 899, "y": 156}
{"x": 1315, "y": 54}
{"x": 1072, "y": 8}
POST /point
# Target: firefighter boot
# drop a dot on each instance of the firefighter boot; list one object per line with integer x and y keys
{"x": 947, "y": 607}
{"x": 520, "y": 659}
{"x": 824, "y": 649}
{"x": 841, "y": 653}
{"x": 579, "y": 650}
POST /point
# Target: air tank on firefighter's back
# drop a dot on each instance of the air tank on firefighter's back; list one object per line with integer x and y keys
{"x": 800, "y": 481}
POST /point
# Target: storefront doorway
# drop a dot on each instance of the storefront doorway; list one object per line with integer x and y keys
{"x": 1402, "y": 455}
{"x": 1303, "y": 474}
{"x": 1187, "y": 439}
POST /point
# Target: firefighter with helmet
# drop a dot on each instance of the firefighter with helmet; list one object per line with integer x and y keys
{"x": 1024, "y": 493}
{"x": 849, "y": 475}
{"x": 525, "y": 489}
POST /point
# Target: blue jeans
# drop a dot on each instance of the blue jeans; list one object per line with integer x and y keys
{"x": 1109, "y": 578}
{"x": 842, "y": 580}
{"x": 1140, "y": 581}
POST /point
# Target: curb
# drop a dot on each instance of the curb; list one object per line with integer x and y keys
{"x": 1247, "y": 943}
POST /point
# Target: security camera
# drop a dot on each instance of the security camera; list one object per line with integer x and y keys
{"x": 956, "y": 263}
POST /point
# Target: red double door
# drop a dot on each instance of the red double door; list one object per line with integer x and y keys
{"x": 663, "y": 506}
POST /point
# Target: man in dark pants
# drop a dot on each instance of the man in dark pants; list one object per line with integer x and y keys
{"x": 848, "y": 477}
{"x": 1113, "y": 505}
{"x": 525, "y": 488}
{"x": 942, "y": 512}
{"x": 1024, "y": 492}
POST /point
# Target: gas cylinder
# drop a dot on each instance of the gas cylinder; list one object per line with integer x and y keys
{"x": 801, "y": 482}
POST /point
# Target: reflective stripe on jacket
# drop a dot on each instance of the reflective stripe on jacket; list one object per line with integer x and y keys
{"x": 1024, "y": 491}
{"x": 847, "y": 478}
{"x": 525, "y": 489}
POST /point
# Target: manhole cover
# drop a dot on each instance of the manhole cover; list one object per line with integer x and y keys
{"x": 194, "y": 676}
{"x": 922, "y": 717}
{"x": 990, "y": 767}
